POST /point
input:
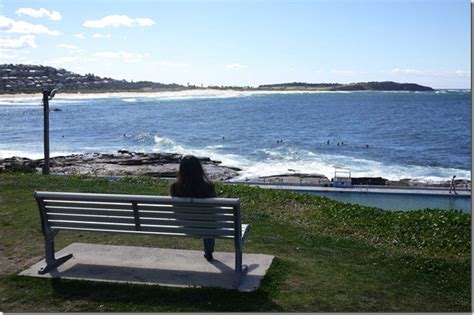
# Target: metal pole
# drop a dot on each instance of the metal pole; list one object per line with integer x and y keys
{"x": 46, "y": 131}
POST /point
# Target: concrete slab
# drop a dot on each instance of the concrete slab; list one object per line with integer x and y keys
{"x": 154, "y": 266}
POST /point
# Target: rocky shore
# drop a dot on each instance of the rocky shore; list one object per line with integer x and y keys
{"x": 165, "y": 165}
{"x": 318, "y": 179}
{"x": 122, "y": 163}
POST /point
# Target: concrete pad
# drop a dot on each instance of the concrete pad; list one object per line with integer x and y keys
{"x": 155, "y": 266}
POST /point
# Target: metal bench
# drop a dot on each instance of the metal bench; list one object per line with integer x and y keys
{"x": 140, "y": 214}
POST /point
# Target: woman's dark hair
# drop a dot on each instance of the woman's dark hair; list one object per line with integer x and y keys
{"x": 192, "y": 180}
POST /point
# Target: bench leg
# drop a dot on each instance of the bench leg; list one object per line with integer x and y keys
{"x": 51, "y": 261}
{"x": 240, "y": 270}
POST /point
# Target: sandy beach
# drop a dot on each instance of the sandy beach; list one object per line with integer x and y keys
{"x": 191, "y": 93}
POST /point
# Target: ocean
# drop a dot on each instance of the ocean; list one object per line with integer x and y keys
{"x": 420, "y": 135}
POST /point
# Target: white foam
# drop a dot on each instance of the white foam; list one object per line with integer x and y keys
{"x": 284, "y": 159}
{"x": 18, "y": 99}
{"x": 163, "y": 144}
{"x": 21, "y": 103}
{"x": 215, "y": 146}
{"x": 130, "y": 100}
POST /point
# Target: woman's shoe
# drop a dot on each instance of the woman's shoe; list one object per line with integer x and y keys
{"x": 208, "y": 257}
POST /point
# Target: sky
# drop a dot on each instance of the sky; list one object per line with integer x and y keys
{"x": 245, "y": 42}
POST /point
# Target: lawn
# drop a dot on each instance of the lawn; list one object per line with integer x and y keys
{"x": 330, "y": 256}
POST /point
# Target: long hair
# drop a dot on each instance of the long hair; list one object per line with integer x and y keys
{"x": 192, "y": 181}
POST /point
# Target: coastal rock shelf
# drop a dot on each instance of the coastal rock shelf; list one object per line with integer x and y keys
{"x": 120, "y": 164}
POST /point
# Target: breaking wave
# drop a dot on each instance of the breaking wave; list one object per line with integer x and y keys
{"x": 290, "y": 160}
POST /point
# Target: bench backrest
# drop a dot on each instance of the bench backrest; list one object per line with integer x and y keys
{"x": 140, "y": 214}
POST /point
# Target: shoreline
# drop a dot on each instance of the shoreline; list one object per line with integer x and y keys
{"x": 129, "y": 163}
{"x": 179, "y": 93}
{"x": 157, "y": 94}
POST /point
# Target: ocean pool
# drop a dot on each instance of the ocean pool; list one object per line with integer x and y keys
{"x": 406, "y": 202}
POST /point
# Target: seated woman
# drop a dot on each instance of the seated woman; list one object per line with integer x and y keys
{"x": 193, "y": 182}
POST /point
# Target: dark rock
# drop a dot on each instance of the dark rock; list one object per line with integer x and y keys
{"x": 120, "y": 164}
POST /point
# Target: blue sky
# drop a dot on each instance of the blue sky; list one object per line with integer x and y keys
{"x": 244, "y": 42}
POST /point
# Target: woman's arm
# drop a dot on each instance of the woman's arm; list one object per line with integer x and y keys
{"x": 172, "y": 190}
{"x": 213, "y": 190}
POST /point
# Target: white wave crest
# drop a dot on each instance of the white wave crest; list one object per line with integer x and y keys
{"x": 163, "y": 144}
{"x": 20, "y": 99}
{"x": 287, "y": 160}
{"x": 215, "y": 146}
{"x": 130, "y": 100}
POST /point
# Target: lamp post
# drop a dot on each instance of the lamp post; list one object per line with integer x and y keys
{"x": 47, "y": 96}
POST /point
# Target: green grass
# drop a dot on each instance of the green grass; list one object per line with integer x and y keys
{"x": 330, "y": 256}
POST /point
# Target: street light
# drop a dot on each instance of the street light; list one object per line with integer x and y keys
{"x": 47, "y": 96}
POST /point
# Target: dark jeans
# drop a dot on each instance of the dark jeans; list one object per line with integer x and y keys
{"x": 209, "y": 244}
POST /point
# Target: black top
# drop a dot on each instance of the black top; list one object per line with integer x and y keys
{"x": 204, "y": 190}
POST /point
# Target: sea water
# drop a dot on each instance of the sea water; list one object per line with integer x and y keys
{"x": 418, "y": 135}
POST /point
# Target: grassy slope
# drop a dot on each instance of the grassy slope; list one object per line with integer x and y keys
{"x": 330, "y": 256}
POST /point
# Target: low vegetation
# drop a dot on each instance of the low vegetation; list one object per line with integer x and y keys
{"x": 359, "y": 86}
{"x": 329, "y": 256}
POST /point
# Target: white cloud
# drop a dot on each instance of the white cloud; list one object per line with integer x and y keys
{"x": 409, "y": 71}
{"x": 99, "y": 35}
{"x": 52, "y": 15}
{"x": 11, "y": 26}
{"x": 463, "y": 73}
{"x": 236, "y": 66}
{"x": 145, "y": 21}
{"x": 435, "y": 74}
{"x": 121, "y": 55}
{"x": 63, "y": 60}
{"x": 15, "y": 55}
{"x": 68, "y": 46}
{"x": 25, "y": 41}
{"x": 79, "y": 35}
{"x": 343, "y": 72}
{"x": 117, "y": 21}
{"x": 172, "y": 64}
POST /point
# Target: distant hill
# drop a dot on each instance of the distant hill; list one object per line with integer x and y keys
{"x": 19, "y": 78}
{"x": 361, "y": 86}
{"x": 32, "y": 78}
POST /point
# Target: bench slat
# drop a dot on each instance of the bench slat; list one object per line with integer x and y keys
{"x": 144, "y": 214}
{"x": 71, "y": 210}
{"x": 185, "y": 216}
{"x": 135, "y": 232}
{"x": 210, "y": 224}
{"x": 88, "y": 217}
{"x": 178, "y": 208}
{"x": 58, "y": 224}
{"x": 144, "y": 206}
{"x": 131, "y": 220}
{"x": 83, "y": 204}
{"x": 137, "y": 198}
{"x": 187, "y": 231}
